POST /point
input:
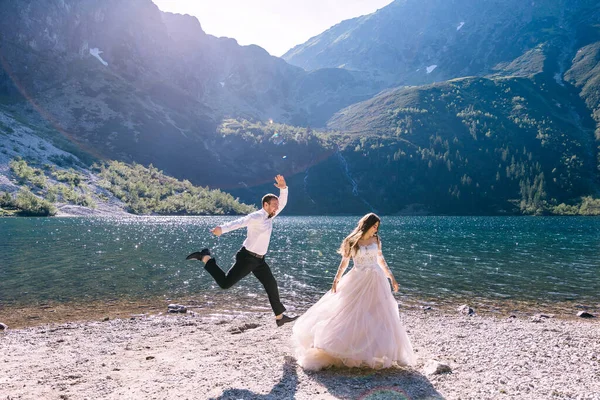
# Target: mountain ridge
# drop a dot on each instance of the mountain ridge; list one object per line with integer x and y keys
{"x": 122, "y": 81}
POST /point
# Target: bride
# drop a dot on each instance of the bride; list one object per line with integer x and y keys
{"x": 357, "y": 322}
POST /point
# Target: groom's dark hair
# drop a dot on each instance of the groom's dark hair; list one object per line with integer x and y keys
{"x": 268, "y": 197}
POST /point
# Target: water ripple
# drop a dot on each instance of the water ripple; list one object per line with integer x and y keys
{"x": 65, "y": 259}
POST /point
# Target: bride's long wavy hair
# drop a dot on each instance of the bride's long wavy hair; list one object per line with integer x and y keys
{"x": 349, "y": 245}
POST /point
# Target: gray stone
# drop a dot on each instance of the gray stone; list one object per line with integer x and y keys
{"x": 239, "y": 329}
{"x": 176, "y": 308}
{"x": 585, "y": 314}
{"x": 465, "y": 309}
{"x": 433, "y": 367}
{"x": 540, "y": 317}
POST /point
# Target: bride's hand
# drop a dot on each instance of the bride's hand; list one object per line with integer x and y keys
{"x": 334, "y": 287}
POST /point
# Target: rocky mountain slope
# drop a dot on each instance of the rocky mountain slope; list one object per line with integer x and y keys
{"x": 413, "y": 42}
{"x": 496, "y": 118}
{"x": 126, "y": 81}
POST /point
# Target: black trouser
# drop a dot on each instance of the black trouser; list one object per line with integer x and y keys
{"x": 244, "y": 264}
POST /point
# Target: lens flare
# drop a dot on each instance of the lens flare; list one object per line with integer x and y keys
{"x": 385, "y": 394}
{"x": 4, "y": 64}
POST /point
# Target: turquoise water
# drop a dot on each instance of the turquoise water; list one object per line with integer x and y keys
{"x": 433, "y": 258}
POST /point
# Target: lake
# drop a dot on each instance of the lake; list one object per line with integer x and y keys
{"x": 436, "y": 260}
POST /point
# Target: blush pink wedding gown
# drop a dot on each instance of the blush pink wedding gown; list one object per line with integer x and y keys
{"x": 359, "y": 325}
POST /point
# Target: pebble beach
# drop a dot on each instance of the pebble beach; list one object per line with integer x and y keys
{"x": 207, "y": 355}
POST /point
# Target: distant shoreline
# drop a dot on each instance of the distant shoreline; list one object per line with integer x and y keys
{"x": 78, "y": 211}
{"x": 219, "y": 303}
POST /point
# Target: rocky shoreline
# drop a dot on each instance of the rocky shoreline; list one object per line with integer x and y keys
{"x": 226, "y": 355}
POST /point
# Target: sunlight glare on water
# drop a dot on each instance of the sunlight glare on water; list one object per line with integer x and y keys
{"x": 495, "y": 258}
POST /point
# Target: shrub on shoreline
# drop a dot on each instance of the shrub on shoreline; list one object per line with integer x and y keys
{"x": 29, "y": 204}
{"x": 149, "y": 191}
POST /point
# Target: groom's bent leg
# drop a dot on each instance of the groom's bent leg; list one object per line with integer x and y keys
{"x": 265, "y": 276}
{"x": 242, "y": 267}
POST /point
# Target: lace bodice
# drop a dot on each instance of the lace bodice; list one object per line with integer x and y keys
{"x": 366, "y": 257}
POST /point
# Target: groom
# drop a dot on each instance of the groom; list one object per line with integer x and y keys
{"x": 251, "y": 257}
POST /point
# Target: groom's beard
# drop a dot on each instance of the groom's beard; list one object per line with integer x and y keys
{"x": 271, "y": 215}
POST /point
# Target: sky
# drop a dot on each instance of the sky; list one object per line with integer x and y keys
{"x": 275, "y": 25}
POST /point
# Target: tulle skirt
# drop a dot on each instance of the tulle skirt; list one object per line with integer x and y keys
{"x": 359, "y": 325}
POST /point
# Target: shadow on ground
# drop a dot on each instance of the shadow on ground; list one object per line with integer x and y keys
{"x": 347, "y": 383}
{"x": 368, "y": 384}
{"x": 284, "y": 389}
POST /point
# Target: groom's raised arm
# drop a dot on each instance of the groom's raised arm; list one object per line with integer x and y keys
{"x": 283, "y": 193}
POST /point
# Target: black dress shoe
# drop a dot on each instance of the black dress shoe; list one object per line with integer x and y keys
{"x": 198, "y": 255}
{"x": 285, "y": 319}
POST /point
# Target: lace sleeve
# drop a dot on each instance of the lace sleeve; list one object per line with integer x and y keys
{"x": 381, "y": 262}
{"x": 343, "y": 265}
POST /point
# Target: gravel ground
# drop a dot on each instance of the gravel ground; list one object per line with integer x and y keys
{"x": 204, "y": 356}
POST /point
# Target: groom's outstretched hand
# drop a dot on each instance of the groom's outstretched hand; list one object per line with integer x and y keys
{"x": 217, "y": 231}
{"x": 280, "y": 182}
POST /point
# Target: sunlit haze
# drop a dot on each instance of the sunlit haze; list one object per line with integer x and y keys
{"x": 275, "y": 25}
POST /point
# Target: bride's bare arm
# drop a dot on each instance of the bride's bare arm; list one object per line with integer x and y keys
{"x": 343, "y": 265}
{"x": 383, "y": 265}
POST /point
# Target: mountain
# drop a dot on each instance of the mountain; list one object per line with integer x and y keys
{"x": 414, "y": 42}
{"x": 428, "y": 107}
{"x": 125, "y": 81}
{"x": 488, "y": 144}
{"x": 517, "y": 139}
{"x": 43, "y": 174}
{"x": 585, "y": 75}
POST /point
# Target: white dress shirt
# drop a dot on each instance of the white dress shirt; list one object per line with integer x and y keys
{"x": 259, "y": 226}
